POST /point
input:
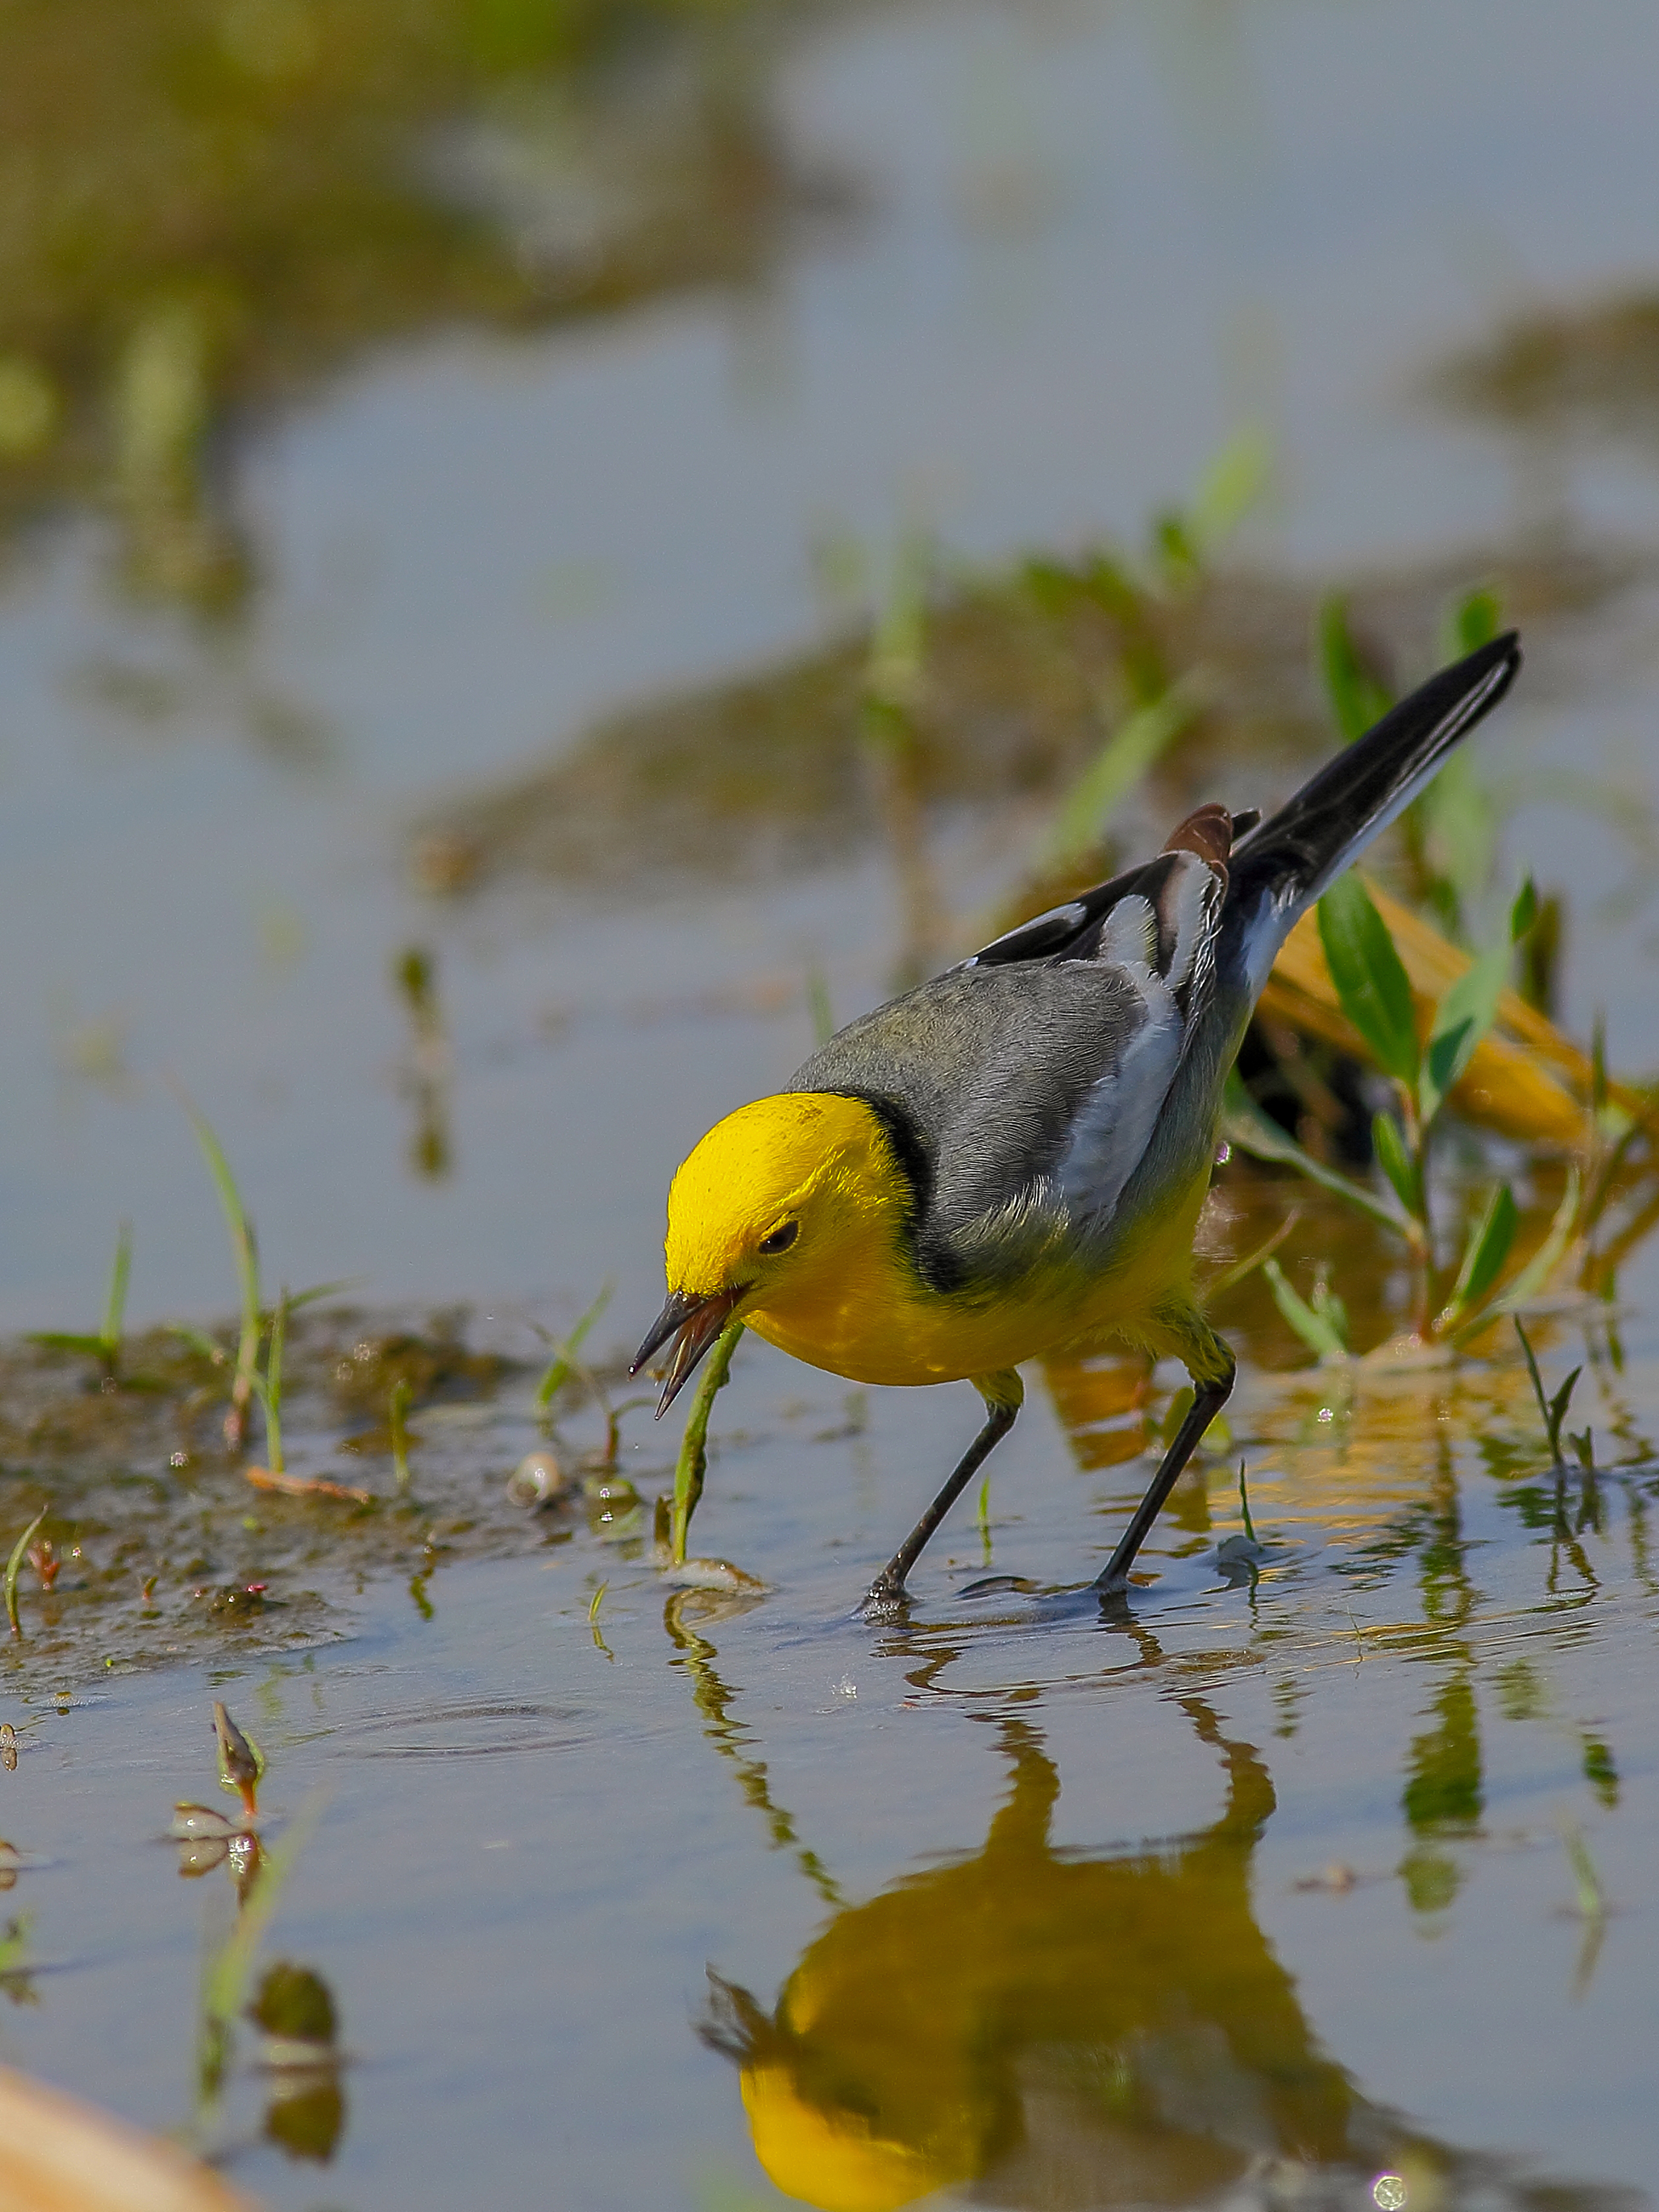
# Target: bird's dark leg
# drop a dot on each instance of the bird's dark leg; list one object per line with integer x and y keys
{"x": 1208, "y": 1399}
{"x": 1004, "y": 1394}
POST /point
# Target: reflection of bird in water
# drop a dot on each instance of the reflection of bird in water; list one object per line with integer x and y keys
{"x": 1009, "y": 1160}
{"x": 1033, "y": 2027}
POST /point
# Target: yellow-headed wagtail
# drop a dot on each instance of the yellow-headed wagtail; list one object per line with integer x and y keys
{"x": 1009, "y": 1161}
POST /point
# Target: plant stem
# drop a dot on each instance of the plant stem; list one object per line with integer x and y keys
{"x": 115, "y": 1304}
{"x": 398, "y": 1408}
{"x": 693, "y": 1462}
{"x": 14, "y": 1565}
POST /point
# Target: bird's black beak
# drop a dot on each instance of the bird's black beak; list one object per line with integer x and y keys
{"x": 693, "y": 1322}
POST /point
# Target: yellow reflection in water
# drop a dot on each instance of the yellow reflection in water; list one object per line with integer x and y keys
{"x": 1062, "y": 2030}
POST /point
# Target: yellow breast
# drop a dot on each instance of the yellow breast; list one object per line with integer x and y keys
{"x": 875, "y": 1321}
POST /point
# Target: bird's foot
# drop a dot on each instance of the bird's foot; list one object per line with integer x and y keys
{"x": 1112, "y": 1591}
{"x": 885, "y": 1600}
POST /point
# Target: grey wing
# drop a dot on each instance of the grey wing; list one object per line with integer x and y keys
{"x": 1030, "y": 1081}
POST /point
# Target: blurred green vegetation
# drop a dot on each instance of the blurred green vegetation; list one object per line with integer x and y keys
{"x": 207, "y": 204}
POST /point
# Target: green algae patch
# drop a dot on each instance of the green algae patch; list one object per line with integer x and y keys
{"x": 157, "y": 1543}
{"x": 1018, "y": 679}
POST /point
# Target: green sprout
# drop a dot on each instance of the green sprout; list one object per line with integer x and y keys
{"x": 1322, "y": 1322}
{"x": 397, "y": 1412}
{"x": 268, "y": 1386}
{"x": 13, "y": 1568}
{"x": 565, "y": 1362}
{"x": 106, "y": 1346}
{"x": 1375, "y": 996}
{"x": 245, "y": 1384}
{"x": 1244, "y": 1504}
{"x": 1552, "y": 1411}
{"x": 244, "y": 1252}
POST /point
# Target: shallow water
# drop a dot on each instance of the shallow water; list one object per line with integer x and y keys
{"x": 1271, "y": 1887}
{"x": 1301, "y": 1912}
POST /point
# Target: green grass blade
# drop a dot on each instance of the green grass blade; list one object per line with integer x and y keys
{"x": 309, "y": 1297}
{"x": 396, "y": 1411}
{"x": 1532, "y": 1370}
{"x": 230, "y": 1201}
{"x": 230, "y": 1974}
{"x": 1550, "y": 1253}
{"x": 1230, "y": 487}
{"x": 1357, "y": 698}
{"x": 1461, "y": 1020}
{"x": 1245, "y": 1124}
{"x": 1315, "y": 1329}
{"x": 115, "y": 1302}
{"x": 1558, "y": 1411}
{"x": 1371, "y": 979}
{"x": 1121, "y": 762}
{"x": 13, "y": 1566}
{"x": 564, "y": 1360}
{"x": 1487, "y": 1249}
{"x": 1240, "y": 1270}
{"x": 271, "y": 1386}
{"x": 1396, "y": 1162}
{"x": 1474, "y": 621}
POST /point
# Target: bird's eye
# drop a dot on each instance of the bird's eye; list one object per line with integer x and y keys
{"x": 780, "y": 1239}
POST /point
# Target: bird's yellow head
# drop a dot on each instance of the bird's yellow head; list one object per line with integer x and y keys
{"x": 770, "y": 1213}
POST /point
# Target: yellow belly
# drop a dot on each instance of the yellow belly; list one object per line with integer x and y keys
{"x": 885, "y": 1326}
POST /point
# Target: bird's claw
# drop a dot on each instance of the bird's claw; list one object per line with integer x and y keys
{"x": 885, "y": 1600}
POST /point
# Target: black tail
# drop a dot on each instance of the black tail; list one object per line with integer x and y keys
{"x": 1280, "y": 869}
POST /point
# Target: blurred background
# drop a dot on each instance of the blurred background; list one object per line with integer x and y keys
{"x": 549, "y": 550}
{"x": 452, "y": 453}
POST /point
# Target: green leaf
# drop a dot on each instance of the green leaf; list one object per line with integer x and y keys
{"x": 13, "y": 1566}
{"x": 1532, "y": 1370}
{"x": 1371, "y": 981}
{"x": 1524, "y": 912}
{"x": 1233, "y": 481}
{"x": 1472, "y": 623}
{"x": 115, "y": 1301}
{"x": 1331, "y": 1310}
{"x": 1119, "y": 765}
{"x": 1357, "y": 698}
{"x": 1558, "y": 1413}
{"x": 1459, "y": 833}
{"x": 1396, "y": 1163}
{"x": 1461, "y": 1020}
{"x": 1314, "y": 1328}
{"x": 1547, "y": 1258}
{"x": 564, "y": 1359}
{"x": 309, "y": 1297}
{"x": 55, "y": 1339}
{"x": 1484, "y": 1256}
{"x": 198, "y": 1340}
{"x": 1245, "y": 1124}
